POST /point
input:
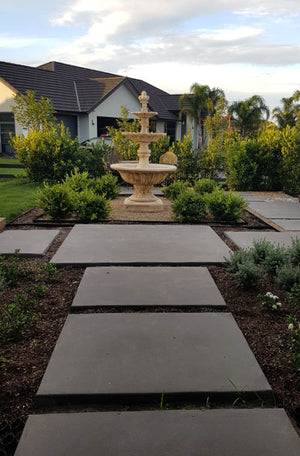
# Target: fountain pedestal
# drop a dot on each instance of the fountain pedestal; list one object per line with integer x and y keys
{"x": 142, "y": 174}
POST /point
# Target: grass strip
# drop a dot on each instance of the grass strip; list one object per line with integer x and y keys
{"x": 16, "y": 196}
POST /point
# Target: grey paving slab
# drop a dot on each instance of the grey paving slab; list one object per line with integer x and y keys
{"x": 244, "y": 239}
{"x": 250, "y": 198}
{"x": 94, "y": 245}
{"x": 277, "y": 209}
{"x": 263, "y": 432}
{"x": 147, "y": 354}
{"x": 29, "y": 242}
{"x": 147, "y": 286}
{"x": 288, "y": 224}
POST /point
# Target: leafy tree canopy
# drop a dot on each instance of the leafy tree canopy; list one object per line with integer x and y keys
{"x": 33, "y": 113}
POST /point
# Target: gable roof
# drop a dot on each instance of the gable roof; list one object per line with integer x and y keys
{"x": 76, "y": 89}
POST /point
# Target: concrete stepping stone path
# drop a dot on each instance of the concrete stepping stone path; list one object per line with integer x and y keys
{"x": 147, "y": 286}
{"x": 94, "y": 245}
{"x": 277, "y": 209}
{"x": 262, "y": 432}
{"x": 244, "y": 239}
{"x": 149, "y": 353}
{"x": 288, "y": 224}
{"x": 28, "y": 242}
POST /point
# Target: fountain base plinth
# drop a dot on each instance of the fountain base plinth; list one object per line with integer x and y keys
{"x": 131, "y": 205}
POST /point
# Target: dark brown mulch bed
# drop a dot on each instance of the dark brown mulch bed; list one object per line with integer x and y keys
{"x": 22, "y": 364}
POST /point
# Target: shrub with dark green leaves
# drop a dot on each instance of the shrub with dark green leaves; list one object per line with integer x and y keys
{"x": 90, "y": 207}
{"x": 205, "y": 186}
{"x": 226, "y": 206}
{"x": 294, "y": 252}
{"x": 237, "y": 258}
{"x": 173, "y": 190}
{"x": 106, "y": 185}
{"x": 189, "y": 207}
{"x": 57, "y": 200}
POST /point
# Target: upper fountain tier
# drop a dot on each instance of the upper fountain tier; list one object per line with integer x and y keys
{"x": 144, "y": 137}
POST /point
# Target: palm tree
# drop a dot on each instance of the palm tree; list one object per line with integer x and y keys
{"x": 199, "y": 104}
{"x": 288, "y": 114}
{"x": 248, "y": 115}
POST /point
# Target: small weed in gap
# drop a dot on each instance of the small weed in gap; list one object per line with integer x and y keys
{"x": 269, "y": 302}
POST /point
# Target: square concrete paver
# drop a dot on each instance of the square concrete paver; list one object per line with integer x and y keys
{"x": 288, "y": 224}
{"x": 147, "y": 354}
{"x": 29, "y": 242}
{"x": 261, "y": 432}
{"x": 244, "y": 239}
{"x": 94, "y": 245}
{"x": 277, "y": 209}
{"x": 147, "y": 286}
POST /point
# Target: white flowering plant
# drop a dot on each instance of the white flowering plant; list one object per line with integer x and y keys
{"x": 269, "y": 302}
{"x": 294, "y": 341}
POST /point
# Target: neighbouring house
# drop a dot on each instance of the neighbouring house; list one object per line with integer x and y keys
{"x": 86, "y": 100}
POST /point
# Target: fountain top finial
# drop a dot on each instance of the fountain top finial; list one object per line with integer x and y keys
{"x": 143, "y": 99}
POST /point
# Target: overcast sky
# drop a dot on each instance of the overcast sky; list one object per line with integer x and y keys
{"x": 243, "y": 47}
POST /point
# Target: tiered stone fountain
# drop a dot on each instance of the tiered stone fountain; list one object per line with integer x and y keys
{"x": 142, "y": 174}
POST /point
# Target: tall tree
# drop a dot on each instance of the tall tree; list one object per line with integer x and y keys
{"x": 248, "y": 115}
{"x": 289, "y": 112}
{"x": 33, "y": 113}
{"x": 199, "y": 104}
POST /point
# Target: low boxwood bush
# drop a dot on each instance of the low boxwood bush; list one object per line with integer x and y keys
{"x": 90, "y": 207}
{"x": 56, "y": 200}
{"x": 189, "y": 207}
{"x": 205, "y": 186}
{"x": 173, "y": 190}
{"x": 226, "y": 206}
{"x": 106, "y": 185}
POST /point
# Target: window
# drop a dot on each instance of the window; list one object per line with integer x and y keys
{"x": 7, "y": 125}
{"x": 170, "y": 129}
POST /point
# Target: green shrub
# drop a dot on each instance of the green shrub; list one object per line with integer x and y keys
{"x": 249, "y": 274}
{"x": 293, "y": 298}
{"x": 226, "y": 206}
{"x": 205, "y": 186}
{"x": 291, "y": 159}
{"x": 276, "y": 258}
{"x": 288, "y": 276}
{"x": 77, "y": 181}
{"x": 3, "y": 282}
{"x": 173, "y": 190}
{"x": 17, "y": 320}
{"x": 237, "y": 258}
{"x": 260, "y": 250}
{"x": 92, "y": 158}
{"x": 294, "y": 252}
{"x": 106, "y": 185}
{"x": 52, "y": 273}
{"x": 90, "y": 207}
{"x": 189, "y": 207}
{"x": 56, "y": 200}
{"x": 188, "y": 162}
{"x": 269, "y": 302}
{"x": 158, "y": 148}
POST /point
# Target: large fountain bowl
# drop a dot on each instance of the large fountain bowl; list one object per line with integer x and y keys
{"x": 143, "y": 178}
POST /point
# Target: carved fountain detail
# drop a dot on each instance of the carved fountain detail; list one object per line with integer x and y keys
{"x": 142, "y": 174}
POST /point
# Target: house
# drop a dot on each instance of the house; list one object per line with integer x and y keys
{"x": 86, "y": 100}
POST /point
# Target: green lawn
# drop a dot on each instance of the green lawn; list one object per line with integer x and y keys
{"x": 16, "y": 196}
{"x": 9, "y": 161}
{"x": 14, "y": 171}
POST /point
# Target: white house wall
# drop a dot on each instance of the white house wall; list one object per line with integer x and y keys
{"x": 83, "y": 127}
{"x": 6, "y": 102}
{"x": 111, "y": 107}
